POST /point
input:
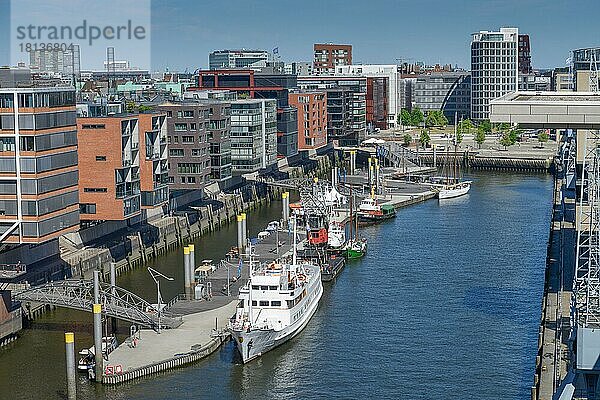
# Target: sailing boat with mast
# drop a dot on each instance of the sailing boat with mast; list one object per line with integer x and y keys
{"x": 453, "y": 186}
{"x": 356, "y": 247}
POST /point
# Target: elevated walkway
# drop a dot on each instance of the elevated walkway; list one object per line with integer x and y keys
{"x": 116, "y": 302}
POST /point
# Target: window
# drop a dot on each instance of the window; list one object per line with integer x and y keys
{"x": 187, "y": 139}
{"x": 169, "y": 113}
{"x": 176, "y": 153}
{"x": 176, "y": 139}
{"x": 87, "y": 208}
{"x": 272, "y": 287}
{"x": 254, "y": 302}
{"x": 191, "y": 179}
{"x": 93, "y": 126}
{"x": 100, "y": 158}
{"x": 193, "y": 126}
{"x": 94, "y": 190}
{"x": 188, "y": 114}
{"x": 276, "y": 303}
{"x": 263, "y": 303}
{"x": 197, "y": 153}
{"x": 181, "y": 127}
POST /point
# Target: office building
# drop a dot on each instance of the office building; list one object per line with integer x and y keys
{"x": 38, "y": 164}
{"x": 232, "y": 59}
{"x": 123, "y": 165}
{"x": 253, "y": 135}
{"x": 328, "y": 56}
{"x": 494, "y": 68}
{"x": 260, "y": 85}
{"x": 391, "y": 94}
{"x": 449, "y": 92}
{"x": 312, "y": 118}
{"x": 199, "y": 142}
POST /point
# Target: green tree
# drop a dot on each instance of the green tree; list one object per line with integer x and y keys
{"x": 506, "y": 141}
{"x": 441, "y": 119}
{"x": 431, "y": 119}
{"x": 407, "y": 139}
{"x": 405, "y": 118}
{"x": 424, "y": 138}
{"x": 485, "y": 126}
{"x": 480, "y": 137}
{"x": 416, "y": 117}
{"x": 466, "y": 125}
{"x": 514, "y": 135}
{"x": 543, "y": 137}
{"x": 143, "y": 108}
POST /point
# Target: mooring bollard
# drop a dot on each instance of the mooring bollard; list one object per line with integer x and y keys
{"x": 70, "y": 354}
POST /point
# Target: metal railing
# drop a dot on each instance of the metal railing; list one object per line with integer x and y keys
{"x": 116, "y": 302}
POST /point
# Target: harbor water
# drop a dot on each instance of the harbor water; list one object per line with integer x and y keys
{"x": 446, "y": 304}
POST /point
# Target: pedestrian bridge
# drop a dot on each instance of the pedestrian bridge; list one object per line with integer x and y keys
{"x": 116, "y": 302}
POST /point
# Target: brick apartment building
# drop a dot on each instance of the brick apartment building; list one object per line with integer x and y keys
{"x": 123, "y": 165}
{"x": 199, "y": 142}
{"x": 327, "y": 56}
{"x": 312, "y": 118}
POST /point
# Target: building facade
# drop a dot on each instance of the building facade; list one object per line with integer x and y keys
{"x": 494, "y": 68}
{"x": 390, "y": 96}
{"x": 524, "y": 55}
{"x": 123, "y": 165}
{"x": 253, "y": 135}
{"x": 312, "y": 118}
{"x": 449, "y": 92}
{"x": 328, "y": 56}
{"x": 206, "y": 125}
{"x": 38, "y": 164}
{"x": 231, "y": 59}
{"x": 257, "y": 85}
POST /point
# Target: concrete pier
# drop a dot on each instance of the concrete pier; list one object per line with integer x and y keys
{"x": 553, "y": 360}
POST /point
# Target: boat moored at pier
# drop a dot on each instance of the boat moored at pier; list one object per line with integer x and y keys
{"x": 274, "y": 306}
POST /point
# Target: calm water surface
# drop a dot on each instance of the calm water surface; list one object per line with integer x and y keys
{"x": 445, "y": 306}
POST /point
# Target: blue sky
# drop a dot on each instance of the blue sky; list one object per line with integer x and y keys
{"x": 185, "y": 31}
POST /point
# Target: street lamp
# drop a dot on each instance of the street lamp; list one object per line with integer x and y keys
{"x": 155, "y": 275}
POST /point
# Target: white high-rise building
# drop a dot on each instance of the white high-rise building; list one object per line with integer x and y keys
{"x": 494, "y": 68}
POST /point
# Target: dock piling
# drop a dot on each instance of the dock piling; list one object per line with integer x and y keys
{"x": 285, "y": 197}
{"x": 96, "y": 286}
{"x": 70, "y": 355}
{"x": 192, "y": 267}
{"x": 99, "y": 368}
{"x": 240, "y": 237}
{"x": 244, "y": 231}
{"x": 186, "y": 270}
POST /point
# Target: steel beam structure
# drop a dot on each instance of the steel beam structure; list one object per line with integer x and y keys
{"x": 116, "y": 302}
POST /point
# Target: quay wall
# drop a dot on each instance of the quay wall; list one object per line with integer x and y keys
{"x": 476, "y": 161}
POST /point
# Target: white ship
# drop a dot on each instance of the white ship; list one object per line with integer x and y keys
{"x": 336, "y": 236}
{"x": 275, "y": 305}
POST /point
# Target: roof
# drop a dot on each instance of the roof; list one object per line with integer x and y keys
{"x": 553, "y": 110}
